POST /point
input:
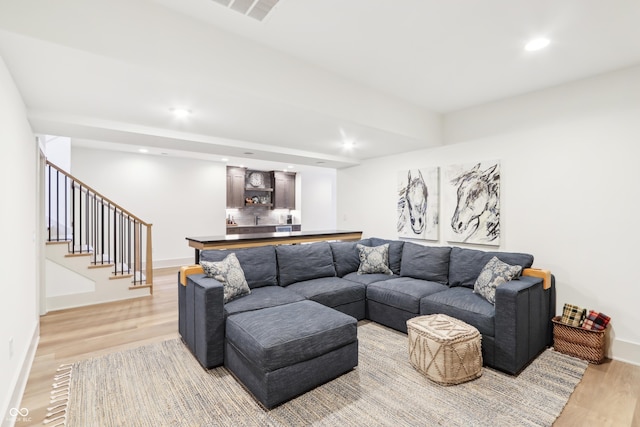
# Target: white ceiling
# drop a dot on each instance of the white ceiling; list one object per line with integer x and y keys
{"x": 293, "y": 87}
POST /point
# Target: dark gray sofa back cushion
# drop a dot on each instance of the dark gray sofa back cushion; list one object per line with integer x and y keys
{"x": 395, "y": 251}
{"x": 425, "y": 262}
{"x": 258, "y": 264}
{"x": 466, "y": 264}
{"x": 346, "y": 257}
{"x": 304, "y": 262}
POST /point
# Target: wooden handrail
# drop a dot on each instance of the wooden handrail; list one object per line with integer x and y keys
{"x": 117, "y": 206}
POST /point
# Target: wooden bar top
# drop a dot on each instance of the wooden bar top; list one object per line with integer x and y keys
{"x": 231, "y": 241}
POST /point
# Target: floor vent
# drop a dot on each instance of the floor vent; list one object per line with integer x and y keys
{"x": 256, "y": 9}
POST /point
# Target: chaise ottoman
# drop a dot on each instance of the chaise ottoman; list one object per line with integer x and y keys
{"x": 444, "y": 349}
{"x": 281, "y": 352}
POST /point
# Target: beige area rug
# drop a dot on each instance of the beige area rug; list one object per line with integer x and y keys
{"x": 163, "y": 385}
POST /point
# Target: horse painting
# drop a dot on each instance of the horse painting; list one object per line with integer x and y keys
{"x": 476, "y": 218}
{"x": 417, "y": 207}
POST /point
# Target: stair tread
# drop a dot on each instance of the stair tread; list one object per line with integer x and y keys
{"x": 79, "y": 254}
{"x": 101, "y": 266}
{"x": 140, "y": 286}
{"x": 120, "y": 276}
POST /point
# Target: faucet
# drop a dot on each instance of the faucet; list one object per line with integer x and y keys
{"x": 257, "y": 219}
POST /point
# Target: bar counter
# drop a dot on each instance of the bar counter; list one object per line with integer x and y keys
{"x": 234, "y": 241}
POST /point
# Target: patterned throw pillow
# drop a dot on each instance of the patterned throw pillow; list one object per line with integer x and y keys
{"x": 374, "y": 259}
{"x": 573, "y": 315}
{"x": 230, "y": 274}
{"x": 494, "y": 274}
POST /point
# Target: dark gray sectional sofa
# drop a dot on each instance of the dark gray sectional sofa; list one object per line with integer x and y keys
{"x": 425, "y": 280}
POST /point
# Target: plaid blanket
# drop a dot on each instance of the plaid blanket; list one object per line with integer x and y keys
{"x": 573, "y": 315}
{"x": 596, "y": 321}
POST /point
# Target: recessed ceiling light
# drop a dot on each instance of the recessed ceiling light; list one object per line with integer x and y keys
{"x": 181, "y": 113}
{"x": 143, "y": 150}
{"x": 537, "y": 44}
{"x": 348, "y": 145}
{"x": 224, "y": 159}
{"x": 290, "y": 166}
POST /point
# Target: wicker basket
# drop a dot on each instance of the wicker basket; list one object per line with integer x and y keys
{"x": 582, "y": 343}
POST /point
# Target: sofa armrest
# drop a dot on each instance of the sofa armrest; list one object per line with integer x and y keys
{"x": 523, "y": 315}
{"x": 186, "y": 271}
{"x": 202, "y": 318}
{"x": 545, "y": 275}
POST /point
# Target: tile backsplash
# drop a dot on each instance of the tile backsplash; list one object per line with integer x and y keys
{"x": 267, "y": 216}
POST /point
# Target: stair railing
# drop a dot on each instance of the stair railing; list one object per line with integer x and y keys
{"x": 95, "y": 225}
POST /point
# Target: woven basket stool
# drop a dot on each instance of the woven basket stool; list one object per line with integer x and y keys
{"x": 446, "y": 350}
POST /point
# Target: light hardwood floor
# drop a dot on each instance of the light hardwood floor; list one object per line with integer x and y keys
{"x": 609, "y": 394}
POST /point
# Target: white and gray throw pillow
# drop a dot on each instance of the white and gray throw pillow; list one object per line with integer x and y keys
{"x": 494, "y": 274}
{"x": 230, "y": 274}
{"x": 374, "y": 259}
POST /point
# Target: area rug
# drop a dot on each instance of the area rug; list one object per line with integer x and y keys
{"x": 163, "y": 385}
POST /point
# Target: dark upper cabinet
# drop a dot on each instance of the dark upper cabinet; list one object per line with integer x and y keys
{"x": 284, "y": 191}
{"x": 271, "y": 189}
{"x": 235, "y": 187}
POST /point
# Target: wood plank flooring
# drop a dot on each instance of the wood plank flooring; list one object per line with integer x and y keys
{"x": 609, "y": 394}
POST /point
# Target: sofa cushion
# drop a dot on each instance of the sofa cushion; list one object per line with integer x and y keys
{"x": 465, "y": 264}
{"x": 259, "y": 264}
{"x": 330, "y": 291}
{"x": 425, "y": 262}
{"x": 404, "y": 293}
{"x": 367, "y": 279}
{"x": 281, "y": 336}
{"x": 462, "y": 304}
{"x": 346, "y": 257}
{"x": 297, "y": 263}
{"x": 230, "y": 274}
{"x": 374, "y": 259}
{"x": 395, "y": 252}
{"x": 494, "y": 274}
{"x": 262, "y": 297}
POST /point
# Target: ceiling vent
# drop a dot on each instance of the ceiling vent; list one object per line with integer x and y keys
{"x": 256, "y": 9}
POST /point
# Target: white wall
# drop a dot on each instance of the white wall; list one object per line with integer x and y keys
{"x": 569, "y": 189}
{"x": 58, "y": 150}
{"x": 316, "y": 199}
{"x": 18, "y": 305}
{"x": 180, "y": 197}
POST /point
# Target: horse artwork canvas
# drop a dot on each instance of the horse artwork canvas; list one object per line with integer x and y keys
{"x": 471, "y": 194}
{"x": 418, "y": 203}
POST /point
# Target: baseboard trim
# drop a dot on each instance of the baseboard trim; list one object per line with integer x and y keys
{"x": 625, "y": 351}
{"x": 23, "y": 377}
{"x": 176, "y": 262}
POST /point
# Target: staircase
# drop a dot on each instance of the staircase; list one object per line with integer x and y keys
{"x": 96, "y": 251}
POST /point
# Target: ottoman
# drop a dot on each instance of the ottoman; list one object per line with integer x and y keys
{"x": 446, "y": 350}
{"x": 280, "y": 352}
